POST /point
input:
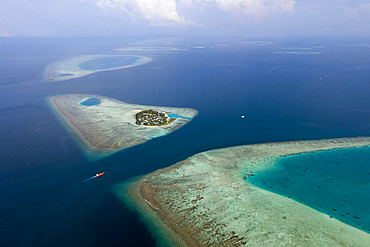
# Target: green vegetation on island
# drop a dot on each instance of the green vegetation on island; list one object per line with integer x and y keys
{"x": 153, "y": 118}
{"x": 106, "y": 125}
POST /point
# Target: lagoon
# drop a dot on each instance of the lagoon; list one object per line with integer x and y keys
{"x": 334, "y": 182}
{"x": 173, "y": 115}
{"x": 66, "y": 74}
{"x": 108, "y": 62}
{"x": 42, "y": 202}
{"x": 211, "y": 187}
{"x": 90, "y": 102}
{"x": 80, "y": 66}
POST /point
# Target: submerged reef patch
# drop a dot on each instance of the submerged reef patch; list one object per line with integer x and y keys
{"x": 76, "y": 67}
{"x": 206, "y": 200}
{"x": 103, "y": 125}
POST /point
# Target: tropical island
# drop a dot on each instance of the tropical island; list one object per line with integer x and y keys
{"x": 153, "y": 118}
{"x": 207, "y": 200}
{"x": 103, "y": 126}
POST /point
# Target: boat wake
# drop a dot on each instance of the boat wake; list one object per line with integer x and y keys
{"x": 88, "y": 179}
{"x": 97, "y": 175}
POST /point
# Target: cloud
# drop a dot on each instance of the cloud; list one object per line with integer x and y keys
{"x": 157, "y": 12}
{"x": 165, "y": 12}
{"x": 256, "y": 7}
{"x": 4, "y": 18}
{"x": 365, "y": 5}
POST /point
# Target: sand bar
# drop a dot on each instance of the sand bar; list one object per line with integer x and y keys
{"x": 69, "y": 68}
{"x": 206, "y": 200}
{"x": 110, "y": 126}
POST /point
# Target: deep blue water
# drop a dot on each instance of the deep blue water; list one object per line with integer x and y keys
{"x": 90, "y": 102}
{"x": 107, "y": 62}
{"x": 283, "y": 96}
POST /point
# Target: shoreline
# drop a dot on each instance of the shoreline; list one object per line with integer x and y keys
{"x": 109, "y": 127}
{"x": 160, "y": 230}
{"x": 200, "y": 219}
{"x": 82, "y": 141}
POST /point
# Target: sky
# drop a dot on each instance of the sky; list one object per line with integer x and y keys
{"x": 185, "y": 17}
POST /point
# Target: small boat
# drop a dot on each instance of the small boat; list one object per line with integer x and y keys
{"x": 99, "y": 174}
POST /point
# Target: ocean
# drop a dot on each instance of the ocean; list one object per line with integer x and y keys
{"x": 292, "y": 89}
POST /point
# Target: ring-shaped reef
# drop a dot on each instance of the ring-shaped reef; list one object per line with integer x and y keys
{"x": 76, "y": 67}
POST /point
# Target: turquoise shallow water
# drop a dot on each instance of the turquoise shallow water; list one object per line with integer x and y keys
{"x": 90, "y": 102}
{"x": 67, "y": 74}
{"x": 335, "y": 182}
{"x": 173, "y": 115}
{"x": 108, "y": 62}
{"x": 281, "y": 95}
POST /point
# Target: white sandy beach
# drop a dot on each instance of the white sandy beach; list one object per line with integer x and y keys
{"x": 110, "y": 126}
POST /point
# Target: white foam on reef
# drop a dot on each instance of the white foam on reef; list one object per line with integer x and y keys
{"x": 297, "y": 48}
{"x": 360, "y": 45}
{"x": 299, "y": 52}
{"x": 70, "y": 67}
{"x": 149, "y": 49}
{"x": 255, "y": 42}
